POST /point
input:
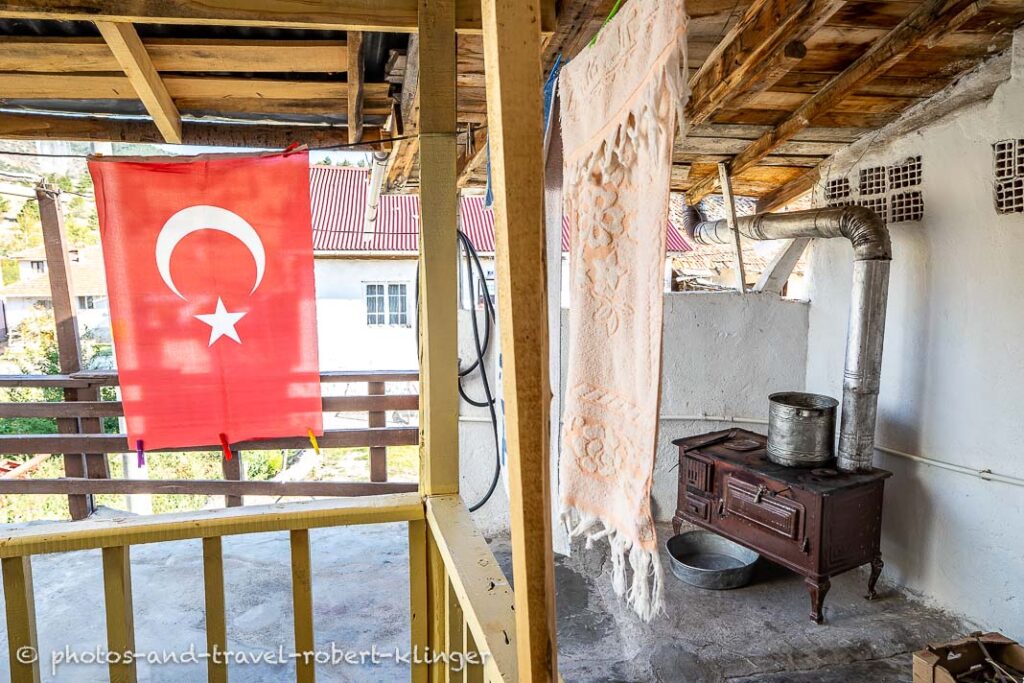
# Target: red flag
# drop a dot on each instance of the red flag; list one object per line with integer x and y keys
{"x": 212, "y": 305}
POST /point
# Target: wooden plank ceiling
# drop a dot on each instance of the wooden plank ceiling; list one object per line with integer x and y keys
{"x": 777, "y": 85}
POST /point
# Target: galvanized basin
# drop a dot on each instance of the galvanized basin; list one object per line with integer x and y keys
{"x": 801, "y": 429}
{"x": 706, "y": 560}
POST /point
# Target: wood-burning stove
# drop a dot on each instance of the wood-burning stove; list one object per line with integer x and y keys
{"x": 817, "y": 522}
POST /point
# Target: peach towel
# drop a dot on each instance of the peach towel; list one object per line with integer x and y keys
{"x": 620, "y": 102}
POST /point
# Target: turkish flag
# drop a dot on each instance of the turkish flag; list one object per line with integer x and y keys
{"x": 209, "y": 266}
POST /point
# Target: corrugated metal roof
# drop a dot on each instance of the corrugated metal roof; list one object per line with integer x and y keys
{"x": 338, "y": 198}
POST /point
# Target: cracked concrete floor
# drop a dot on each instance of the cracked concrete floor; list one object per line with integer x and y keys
{"x": 360, "y": 583}
{"x": 757, "y": 634}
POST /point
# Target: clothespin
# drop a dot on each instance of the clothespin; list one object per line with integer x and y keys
{"x": 225, "y": 446}
{"x": 312, "y": 440}
{"x": 611, "y": 15}
{"x": 141, "y": 453}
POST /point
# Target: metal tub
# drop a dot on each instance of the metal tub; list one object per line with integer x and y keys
{"x": 801, "y": 429}
{"x": 706, "y": 560}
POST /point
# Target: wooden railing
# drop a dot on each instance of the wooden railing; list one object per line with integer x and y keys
{"x": 460, "y": 602}
{"x": 85, "y": 448}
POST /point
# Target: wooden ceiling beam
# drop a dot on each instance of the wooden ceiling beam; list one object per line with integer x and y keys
{"x": 356, "y": 15}
{"x": 471, "y": 160}
{"x": 81, "y": 55}
{"x": 403, "y": 153}
{"x": 86, "y": 129}
{"x": 118, "y": 87}
{"x": 355, "y": 86}
{"x": 131, "y": 54}
{"x": 928, "y": 19}
{"x": 765, "y": 44}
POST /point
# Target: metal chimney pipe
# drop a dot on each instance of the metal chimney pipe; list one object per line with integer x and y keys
{"x": 380, "y": 164}
{"x": 872, "y": 253}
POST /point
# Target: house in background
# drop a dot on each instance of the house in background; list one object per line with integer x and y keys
{"x": 31, "y": 291}
{"x": 366, "y": 282}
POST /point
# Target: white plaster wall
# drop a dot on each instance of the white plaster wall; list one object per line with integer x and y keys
{"x": 346, "y": 341}
{"x": 953, "y": 370}
{"x": 723, "y": 354}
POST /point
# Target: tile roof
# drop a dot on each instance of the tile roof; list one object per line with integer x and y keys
{"x": 87, "y": 278}
{"x": 338, "y": 197}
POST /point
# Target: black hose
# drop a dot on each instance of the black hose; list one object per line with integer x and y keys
{"x": 481, "y": 347}
{"x": 481, "y": 350}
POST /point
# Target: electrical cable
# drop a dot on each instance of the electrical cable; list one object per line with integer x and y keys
{"x": 481, "y": 350}
{"x": 480, "y": 347}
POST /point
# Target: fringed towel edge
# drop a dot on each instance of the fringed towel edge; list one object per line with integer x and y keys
{"x": 645, "y": 592}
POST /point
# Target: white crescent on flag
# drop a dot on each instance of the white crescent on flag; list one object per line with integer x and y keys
{"x": 206, "y": 217}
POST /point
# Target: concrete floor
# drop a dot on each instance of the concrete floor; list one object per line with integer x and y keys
{"x": 759, "y": 633}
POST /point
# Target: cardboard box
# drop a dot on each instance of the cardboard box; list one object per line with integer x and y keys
{"x": 943, "y": 663}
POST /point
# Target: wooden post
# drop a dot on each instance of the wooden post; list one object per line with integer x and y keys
{"x": 58, "y": 265}
{"x": 418, "y": 613}
{"x": 775, "y": 276}
{"x": 355, "y": 86}
{"x": 513, "y": 72}
{"x": 439, "y": 404}
{"x": 117, "y": 586}
{"x": 730, "y": 218}
{"x": 302, "y": 607}
{"x": 19, "y": 599}
{"x": 216, "y": 623}
{"x": 378, "y": 418}
{"x": 233, "y": 471}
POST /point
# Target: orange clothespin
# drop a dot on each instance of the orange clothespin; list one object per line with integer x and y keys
{"x": 225, "y": 446}
{"x": 312, "y": 440}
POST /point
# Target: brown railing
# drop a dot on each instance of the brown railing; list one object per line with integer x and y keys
{"x": 85, "y": 449}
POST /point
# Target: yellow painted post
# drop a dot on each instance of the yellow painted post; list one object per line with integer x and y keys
{"x": 216, "y": 624}
{"x": 117, "y": 588}
{"x": 511, "y": 36}
{"x": 474, "y": 671}
{"x": 439, "y": 404}
{"x": 454, "y": 635}
{"x": 418, "y": 614}
{"x": 437, "y": 629}
{"x": 302, "y": 606}
{"x": 19, "y": 600}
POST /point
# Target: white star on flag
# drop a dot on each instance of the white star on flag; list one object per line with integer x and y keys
{"x": 222, "y": 323}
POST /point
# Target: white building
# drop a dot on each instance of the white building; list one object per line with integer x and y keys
{"x": 31, "y": 291}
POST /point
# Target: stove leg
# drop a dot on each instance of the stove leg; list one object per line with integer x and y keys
{"x": 677, "y": 524}
{"x": 876, "y": 571}
{"x": 818, "y": 588}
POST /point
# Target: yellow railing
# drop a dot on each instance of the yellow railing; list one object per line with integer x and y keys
{"x": 460, "y": 602}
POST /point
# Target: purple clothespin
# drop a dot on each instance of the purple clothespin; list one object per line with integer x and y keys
{"x": 141, "y": 453}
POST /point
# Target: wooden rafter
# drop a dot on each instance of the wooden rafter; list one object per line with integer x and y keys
{"x": 81, "y": 55}
{"x": 355, "y": 86}
{"x": 131, "y": 54}
{"x": 765, "y": 44}
{"x": 928, "y": 19}
{"x": 356, "y": 15}
{"x": 115, "y": 87}
{"x": 403, "y": 154}
{"x": 474, "y": 156}
{"x": 33, "y": 127}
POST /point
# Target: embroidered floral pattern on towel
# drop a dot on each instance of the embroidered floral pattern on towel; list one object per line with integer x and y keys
{"x": 620, "y": 101}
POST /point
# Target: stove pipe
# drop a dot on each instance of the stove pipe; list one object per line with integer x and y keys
{"x": 872, "y": 253}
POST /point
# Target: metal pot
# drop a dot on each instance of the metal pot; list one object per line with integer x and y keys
{"x": 706, "y": 560}
{"x": 801, "y": 429}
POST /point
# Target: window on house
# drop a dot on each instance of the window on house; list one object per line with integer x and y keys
{"x": 37, "y": 266}
{"x": 488, "y": 289}
{"x": 398, "y": 313}
{"x": 387, "y": 303}
{"x": 86, "y": 302}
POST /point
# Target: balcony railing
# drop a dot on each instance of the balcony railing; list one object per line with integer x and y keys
{"x": 459, "y": 602}
{"x": 85, "y": 448}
